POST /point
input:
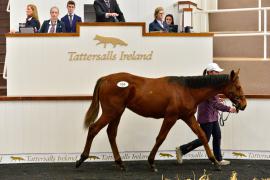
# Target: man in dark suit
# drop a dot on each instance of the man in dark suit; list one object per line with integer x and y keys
{"x": 158, "y": 24}
{"x": 108, "y": 11}
{"x": 71, "y": 19}
{"x": 53, "y": 25}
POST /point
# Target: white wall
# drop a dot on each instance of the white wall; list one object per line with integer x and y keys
{"x": 134, "y": 10}
{"x": 32, "y": 127}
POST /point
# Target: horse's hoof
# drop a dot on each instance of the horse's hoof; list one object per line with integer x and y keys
{"x": 123, "y": 168}
{"x": 217, "y": 167}
{"x": 120, "y": 165}
{"x": 79, "y": 162}
{"x": 154, "y": 168}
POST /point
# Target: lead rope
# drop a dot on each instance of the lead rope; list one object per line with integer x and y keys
{"x": 221, "y": 117}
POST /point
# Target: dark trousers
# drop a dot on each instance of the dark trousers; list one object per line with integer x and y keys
{"x": 209, "y": 129}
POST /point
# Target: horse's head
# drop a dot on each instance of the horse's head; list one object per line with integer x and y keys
{"x": 235, "y": 92}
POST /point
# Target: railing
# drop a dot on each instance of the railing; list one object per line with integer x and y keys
{"x": 8, "y": 7}
{"x": 5, "y": 66}
{"x": 263, "y": 33}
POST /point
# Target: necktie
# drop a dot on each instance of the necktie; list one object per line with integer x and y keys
{"x": 107, "y": 2}
{"x": 53, "y": 27}
{"x": 70, "y": 20}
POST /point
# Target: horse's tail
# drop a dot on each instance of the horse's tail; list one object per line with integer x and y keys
{"x": 92, "y": 112}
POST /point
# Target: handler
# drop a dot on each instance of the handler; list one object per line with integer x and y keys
{"x": 208, "y": 119}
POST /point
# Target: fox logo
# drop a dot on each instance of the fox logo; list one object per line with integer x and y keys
{"x": 238, "y": 154}
{"x": 165, "y": 155}
{"x": 16, "y": 158}
{"x": 93, "y": 157}
{"x": 109, "y": 40}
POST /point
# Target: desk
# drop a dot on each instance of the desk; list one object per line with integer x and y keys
{"x": 70, "y": 64}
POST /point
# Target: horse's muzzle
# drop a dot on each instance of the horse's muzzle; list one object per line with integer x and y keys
{"x": 242, "y": 108}
{"x": 238, "y": 107}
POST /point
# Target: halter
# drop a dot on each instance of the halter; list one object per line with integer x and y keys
{"x": 221, "y": 119}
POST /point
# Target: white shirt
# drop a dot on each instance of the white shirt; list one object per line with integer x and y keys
{"x": 50, "y": 23}
{"x": 72, "y": 15}
{"x": 29, "y": 19}
{"x": 160, "y": 23}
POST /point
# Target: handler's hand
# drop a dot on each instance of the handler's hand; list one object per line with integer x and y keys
{"x": 232, "y": 110}
{"x": 114, "y": 14}
{"x": 221, "y": 99}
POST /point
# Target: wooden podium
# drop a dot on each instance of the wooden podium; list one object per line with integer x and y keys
{"x": 185, "y": 9}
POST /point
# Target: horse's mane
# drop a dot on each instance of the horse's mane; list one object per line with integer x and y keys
{"x": 200, "y": 81}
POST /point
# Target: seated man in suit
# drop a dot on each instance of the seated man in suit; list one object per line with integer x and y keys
{"x": 158, "y": 24}
{"x": 53, "y": 25}
{"x": 71, "y": 19}
{"x": 108, "y": 11}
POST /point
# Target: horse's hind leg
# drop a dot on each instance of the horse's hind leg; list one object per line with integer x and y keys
{"x": 167, "y": 124}
{"x": 194, "y": 125}
{"x": 92, "y": 132}
{"x": 112, "y": 133}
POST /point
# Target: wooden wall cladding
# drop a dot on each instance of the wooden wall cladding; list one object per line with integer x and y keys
{"x": 254, "y": 75}
{"x": 233, "y": 4}
{"x": 244, "y": 46}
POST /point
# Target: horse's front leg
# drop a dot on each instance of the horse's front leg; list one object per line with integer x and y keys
{"x": 194, "y": 125}
{"x": 167, "y": 124}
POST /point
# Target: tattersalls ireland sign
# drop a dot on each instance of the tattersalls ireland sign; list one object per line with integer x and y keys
{"x": 129, "y": 55}
{"x": 98, "y": 50}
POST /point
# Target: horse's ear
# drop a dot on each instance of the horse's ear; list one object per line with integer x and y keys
{"x": 238, "y": 71}
{"x": 234, "y": 75}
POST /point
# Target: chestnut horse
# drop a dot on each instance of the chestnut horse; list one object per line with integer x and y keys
{"x": 171, "y": 98}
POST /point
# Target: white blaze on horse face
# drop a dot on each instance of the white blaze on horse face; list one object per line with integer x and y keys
{"x": 122, "y": 84}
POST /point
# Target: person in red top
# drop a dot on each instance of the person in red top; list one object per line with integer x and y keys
{"x": 207, "y": 116}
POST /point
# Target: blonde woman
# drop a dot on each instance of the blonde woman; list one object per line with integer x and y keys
{"x": 32, "y": 17}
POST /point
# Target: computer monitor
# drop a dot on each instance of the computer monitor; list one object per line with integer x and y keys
{"x": 173, "y": 28}
{"x": 26, "y": 30}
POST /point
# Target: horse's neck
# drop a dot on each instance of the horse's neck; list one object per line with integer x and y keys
{"x": 203, "y": 94}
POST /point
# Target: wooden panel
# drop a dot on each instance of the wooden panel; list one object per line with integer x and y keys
{"x": 254, "y": 75}
{"x": 45, "y": 98}
{"x": 3, "y": 49}
{"x": 233, "y": 21}
{"x": 268, "y": 47}
{"x": 231, "y": 4}
{"x": 265, "y": 3}
{"x": 2, "y": 58}
{"x": 3, "y": 82}
{"x": 1, "y": 65}
{"x": 268, "y": 19}
{"x": 235, "y": 18}
{"x": 251, "y": 47}
{"x": 4, "y": 28}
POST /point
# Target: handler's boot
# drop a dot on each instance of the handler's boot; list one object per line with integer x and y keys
{"x": 224, "y": 162}
{"x": 179, "y": 155}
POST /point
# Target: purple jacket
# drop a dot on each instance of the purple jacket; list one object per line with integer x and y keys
{"x": 208, "y": 110}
